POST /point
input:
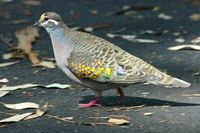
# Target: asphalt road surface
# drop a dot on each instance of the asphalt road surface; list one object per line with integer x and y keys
{"x": 171, "y": 110}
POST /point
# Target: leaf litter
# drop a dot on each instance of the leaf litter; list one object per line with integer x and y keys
{"x": 8, "y": 63}
{"x": 3, "y": 93}
{"x": 132, "y": 38}
{"x": 191, "y": 46}
{"x": 16, "y": 118}
{"x": 40, "y": 111}
{"x": 4, "y": 80}
{"x": 26, "y": 36}
{"x": 19, "y": 106}
{"x": 118, "y": 120}
{"x": 165, "y": 16}
{"x": 135, "y": 8}
{"x": 194, "y": 17}
{"x": 185, "y": 47}
{"x": 4, "y": 90}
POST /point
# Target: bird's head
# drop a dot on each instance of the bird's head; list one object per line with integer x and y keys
{"x": 50, "y": 21}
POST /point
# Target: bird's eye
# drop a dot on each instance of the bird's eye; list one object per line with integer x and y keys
{"x": 45, "y": 18}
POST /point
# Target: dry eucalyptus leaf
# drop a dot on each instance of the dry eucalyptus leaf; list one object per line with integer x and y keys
{"x": 165, "y": 16}
{"x": 68, "y": 118}
{"x": 88, "y": 29}
{"x": 25, "y": 38}
{"x": 8, "y": 63}
{"x": 47, "y": 64}
{"x": 191, "y": 95}
{"x": 185, "y": 47}
{"x": 179, "y": 40}
{"x": 24, "y": 105}
{"x": 132, "y": 38}
{"x": 148, "y": 113}
{"x": 3, "y": 93}
{"x": 39, "y": 112}
{"x": 32, "y": 2}
{"x": 146, "y": 41}
{"x": 118, "y": 121}
{"x": 10, "y": 88}
{"x": 195, "y": 17}
{"x": 56, "y": 85}
{"x": 13, "y": 55}
{"x": 4, "y": 80}
{"x": 7, "y": 56}
{"x": 16, "y": 118}
{"x": 196, "y": 40}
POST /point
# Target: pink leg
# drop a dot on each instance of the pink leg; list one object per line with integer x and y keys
{"x": 93, "y": 102}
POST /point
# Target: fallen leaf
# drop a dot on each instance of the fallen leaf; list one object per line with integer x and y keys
{"x": 94, "y": 12}
{"x": 25, "y": 38}
{"x": 7, "y": 56}
{"x": 145, "y": 93}
{"x": 165, "y": 16}
{"x": 14, "y": 55}
{"x": 88, "y": 29}
{"x": 56, "y": 85}
{"x": 39, "y": 112}
{"x": 10, "y": 88}
{"x": 68, "y": 118}
{"x": 16, "y": 118}
{"x": 92, "y": 28}
{"x": 8, "y": 63}
{"x": 3, "y": 93}
{"x": 24, "y": 105}
{"x": 118, "y": 121}
{"x": 128, "y": 8}
{"x": 145, "y": 41}
{"x": 148, "y": 113}
{"x": 4, "y": 80}
{"x": 132, "y": 38}
{"x": 176, "y": 33}
{"x": 195, "y": 17}
{"x": 32, "y": 2}
{"x": 196, "y": 40}
{"x": 47, "y": 64}
{"x": 191, "y": 95}
{"x": 179, "y": 40}
{"x": 185, "y": 47}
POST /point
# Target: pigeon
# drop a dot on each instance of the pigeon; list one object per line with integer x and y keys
{"x": 98, "y": 64}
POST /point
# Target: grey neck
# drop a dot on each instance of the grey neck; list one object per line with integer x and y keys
{"x": 58, "y": 35}
{"x": 58, "y": 31}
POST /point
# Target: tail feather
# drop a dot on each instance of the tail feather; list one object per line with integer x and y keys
{"x": 168, "y": 81}
{"x": 180, "y": 83}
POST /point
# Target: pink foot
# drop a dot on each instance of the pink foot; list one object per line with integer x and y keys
{"x": 93, "y": 102}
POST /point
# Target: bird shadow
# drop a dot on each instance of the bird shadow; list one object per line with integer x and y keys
{"x": 111, "y": 101}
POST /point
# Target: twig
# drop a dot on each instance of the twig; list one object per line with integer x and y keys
{"x": 125, "y": 108}
{"x": 59, "y": 118}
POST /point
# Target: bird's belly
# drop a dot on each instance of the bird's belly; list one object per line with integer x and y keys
{"x": 97, "y": 85}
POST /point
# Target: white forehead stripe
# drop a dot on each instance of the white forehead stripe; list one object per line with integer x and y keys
{"x": 50, "y": 20}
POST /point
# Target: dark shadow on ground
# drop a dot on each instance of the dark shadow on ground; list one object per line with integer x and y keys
{"x": 110, "y": 101}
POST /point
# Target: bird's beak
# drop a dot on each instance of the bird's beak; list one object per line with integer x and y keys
{"x": 36, "y": 24}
